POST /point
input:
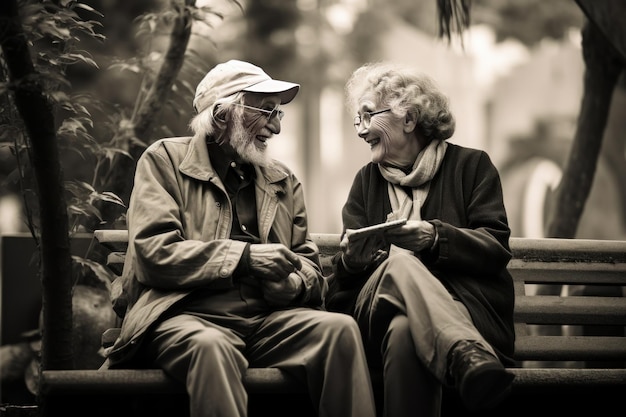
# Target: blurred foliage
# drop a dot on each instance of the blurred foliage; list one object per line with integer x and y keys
{"x": 365, "y": 39}
{"x": 98, "y": 71}
{"x": 528, "y": 21}
{"x": 99, "y": 59}
{"x": 54, "y": 32}
{"x": 270, "y": 39}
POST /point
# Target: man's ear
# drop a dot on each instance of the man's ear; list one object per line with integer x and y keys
{"x": 410, "y": 121}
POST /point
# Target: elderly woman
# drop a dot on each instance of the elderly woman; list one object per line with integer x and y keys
{"x": 432, "y": 297}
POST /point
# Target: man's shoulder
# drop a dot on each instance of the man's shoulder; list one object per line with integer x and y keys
{"x": 277, "y": 171}
{"x": 171, "y": 141}
{"x": 281, "y": 166}
{"x": 169, "y": 147}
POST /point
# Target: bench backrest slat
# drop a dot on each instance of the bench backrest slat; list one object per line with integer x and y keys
{"x": 537, "y": 272}
{"x": 576, "y": 250}
{"x": 572, "y": 310}
{"x": 553, "y": 262}
{"x": 569, "y": 348}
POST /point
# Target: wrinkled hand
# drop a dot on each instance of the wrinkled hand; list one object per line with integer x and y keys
{"x": 415, "y": 235}
{"x": 278, "y": 269}
{"x": 273, "y": 261}
{"x": 359, "y": 253}
{"x": 281, "y": 293}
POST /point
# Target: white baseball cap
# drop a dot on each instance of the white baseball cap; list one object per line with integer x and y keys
{"x": 234, "y": 76}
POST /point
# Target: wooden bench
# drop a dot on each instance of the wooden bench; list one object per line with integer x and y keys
{"x": 581, "y": 367}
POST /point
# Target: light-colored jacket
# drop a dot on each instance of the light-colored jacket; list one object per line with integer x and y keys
{"x": 179, "y": 222}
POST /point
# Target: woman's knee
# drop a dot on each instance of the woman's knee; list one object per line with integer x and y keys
{"x": 406, "y": 262}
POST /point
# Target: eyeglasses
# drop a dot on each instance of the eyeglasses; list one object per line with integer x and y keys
{"x": 366, "y": 118}
{"x": 275, "y": 112}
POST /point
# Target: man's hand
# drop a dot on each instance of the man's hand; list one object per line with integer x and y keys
{"x": 281, "y": 293}
{"x": 273, "y": 261}
{"x": 278, "y": 269}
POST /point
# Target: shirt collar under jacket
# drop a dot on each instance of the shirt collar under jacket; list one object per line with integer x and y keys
{"x": 197, "y": 164}
{"x": 222, "y": 163}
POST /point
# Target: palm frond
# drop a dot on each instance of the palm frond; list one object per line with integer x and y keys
{"x": 454, "y": 17}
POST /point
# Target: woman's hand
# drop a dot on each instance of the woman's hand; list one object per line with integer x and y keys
{"x": 415, "y": 235}
{"x": 360, "y": 252}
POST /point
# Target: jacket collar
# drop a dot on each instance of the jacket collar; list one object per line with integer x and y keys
{"x": 196, "y": 164}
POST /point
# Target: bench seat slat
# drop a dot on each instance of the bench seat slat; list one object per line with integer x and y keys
{"x": 571, "y": 348}
{"x": 154, "y": 381}
{"x": 560, "y": 378}
{"x": 268, "y": 380}
{"x": 542, "y": 309}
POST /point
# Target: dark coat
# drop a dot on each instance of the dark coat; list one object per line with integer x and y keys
{"x": 466, "y": 206}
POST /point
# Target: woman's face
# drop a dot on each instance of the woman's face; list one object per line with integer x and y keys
{"x": 391, "y": 140}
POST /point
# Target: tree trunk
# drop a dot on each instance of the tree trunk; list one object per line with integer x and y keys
{"x": 143, "y": 120}
{"x": 602, "y": 69}
{"x": 54, "y": 244}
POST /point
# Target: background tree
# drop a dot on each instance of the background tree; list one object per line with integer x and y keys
{"x": 604, "y": 54}
{"x": 34, "y": 100}
{"x": 40, "y": 58}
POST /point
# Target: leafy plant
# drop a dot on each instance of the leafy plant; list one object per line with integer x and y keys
{"x": 54, "y": 32}
{"x": 49, "y": 123}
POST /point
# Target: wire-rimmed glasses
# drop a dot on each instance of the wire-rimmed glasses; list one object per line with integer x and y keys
{"x": 275, "y": 112}
{"x": 365, "y": 118}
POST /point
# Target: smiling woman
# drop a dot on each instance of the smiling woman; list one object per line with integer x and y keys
{"x": 432, "y": 296}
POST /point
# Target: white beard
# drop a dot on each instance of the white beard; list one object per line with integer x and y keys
{"x": 244, "y": 144}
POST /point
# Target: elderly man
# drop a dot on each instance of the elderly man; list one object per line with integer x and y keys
{"x": 221, "y": 273}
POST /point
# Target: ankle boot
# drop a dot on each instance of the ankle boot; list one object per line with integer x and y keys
{"x": 479, "y": 377}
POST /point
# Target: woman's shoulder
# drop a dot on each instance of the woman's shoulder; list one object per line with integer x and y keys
{"x": 464, "y": 150}
{"x": 466, "y": 153}
{"x": 466, "y": 159}
{"x": 367, "y": 169}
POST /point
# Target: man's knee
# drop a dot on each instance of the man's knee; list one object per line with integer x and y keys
{"x": 342, "y": 328}
{"x": 338, "y": 321}
{"x": 212, "y": 342}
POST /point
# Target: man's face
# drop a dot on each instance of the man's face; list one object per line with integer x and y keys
{"x": 251, "y": 128}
